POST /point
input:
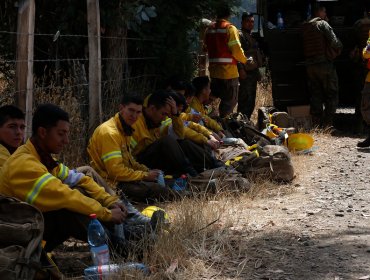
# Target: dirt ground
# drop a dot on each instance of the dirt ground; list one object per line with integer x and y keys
{"x": 317, "y": 227}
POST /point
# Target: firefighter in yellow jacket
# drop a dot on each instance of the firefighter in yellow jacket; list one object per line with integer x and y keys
{"x": 33, "y": 176}
{"x": 12, "y": 127}
{"x": 202, "y": 94}
{"x": 224, "y": 51}
{"x": 153, "y": 146}
{"x": 109, "y": 150}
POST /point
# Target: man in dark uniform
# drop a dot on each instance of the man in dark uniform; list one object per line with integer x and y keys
{"x": 321, "y": 47}
{"x": 248, "y": 73}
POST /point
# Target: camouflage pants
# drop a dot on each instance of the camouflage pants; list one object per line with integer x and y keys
{"x": 247, "y": 93}
{"x": 365, "y": 103}
{"x": 323, "y": 85}
{"x": 227, "y": 91}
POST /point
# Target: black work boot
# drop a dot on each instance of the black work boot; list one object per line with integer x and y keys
{"x": 365, "y": 143}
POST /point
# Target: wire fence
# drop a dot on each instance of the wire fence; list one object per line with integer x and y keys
{"x": 64, "y": 81}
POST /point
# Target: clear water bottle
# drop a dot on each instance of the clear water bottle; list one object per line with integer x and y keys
{"x": 160, "y": 179}
{"x": 180, "y": 183}
{"x": 280, "y": 21}
{"x": 103, "y": 271}
{"x": 98, "y": 242}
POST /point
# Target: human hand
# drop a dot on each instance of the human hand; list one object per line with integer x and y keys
{"x": 119, "y": 205}
{"x": 152, "y": 175}
{"x": 221, "y": 134}
{"x": 118, "y": 216}
{"x": 213, "y": 143}
{"x": 172, "y": 103}
{"x": 215, "y": 135}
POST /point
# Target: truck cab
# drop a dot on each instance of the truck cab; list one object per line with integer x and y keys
{"x": 284, "y": 46}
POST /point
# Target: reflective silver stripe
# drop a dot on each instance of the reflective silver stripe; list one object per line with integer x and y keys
{"x": 217, "y": 31}
{"x": 221, "y": 60}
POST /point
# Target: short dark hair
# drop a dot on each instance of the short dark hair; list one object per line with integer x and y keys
{"x": 223, "y": 10}
{"x": 10, "y": 112}
{"x": 190, "y": 90}
{"x": 159, "y": 98}
{"x": 47, "y": 116}
{"x": 179, "y": 98}
{"x": 200, "y": 83}
{"x": 131, "y": 98}
{"x": 246, "y": 15}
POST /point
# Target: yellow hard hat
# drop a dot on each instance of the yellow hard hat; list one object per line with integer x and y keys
{"x": 300, "y": 142}
{"x": 151, "y": 209}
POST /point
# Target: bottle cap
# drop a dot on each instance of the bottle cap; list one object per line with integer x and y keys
{"x": 92, "y": 216}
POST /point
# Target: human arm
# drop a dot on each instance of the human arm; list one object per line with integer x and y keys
{"x": 35, "y": 185}
{"x": 234, "y": 45}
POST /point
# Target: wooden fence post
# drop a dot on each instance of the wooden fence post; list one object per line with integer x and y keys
{"x": 24, "y": 63}
{"x": 93, "y": 27}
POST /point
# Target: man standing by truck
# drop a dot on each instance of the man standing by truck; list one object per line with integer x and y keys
{"x": 321, "y": 46}
{"x": 224, "y": 51}
{"x": 248, "y": 73}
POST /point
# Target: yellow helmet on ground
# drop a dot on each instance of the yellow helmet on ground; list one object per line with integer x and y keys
{"x": 300, "y": 142}
{"x": 151, "y": 209}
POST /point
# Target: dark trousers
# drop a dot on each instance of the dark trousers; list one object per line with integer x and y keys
{"x": 323, "y": 85}
{"x": 199, "y": 156}
{"x": 247, "y": 93}
{"x": 166, "y": 154}
{"x": 227, "y": 91}
{"x": 147, "y": 192}
{"x": 63, "y": 224}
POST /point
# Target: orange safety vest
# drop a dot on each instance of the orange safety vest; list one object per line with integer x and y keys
{"x": 217, "y": 44}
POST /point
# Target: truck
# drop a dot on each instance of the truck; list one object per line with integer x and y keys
{"x": 284, "y": 46}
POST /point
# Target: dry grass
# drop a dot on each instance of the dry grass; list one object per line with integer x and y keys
{"x": 208, "y": 237}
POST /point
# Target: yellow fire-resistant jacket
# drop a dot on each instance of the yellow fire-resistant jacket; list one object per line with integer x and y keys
{"x": 24, "y": 176}
{"x": 4, "y": 155}
{"x": 366, "y": 55}
{"x": 192, "y": 131}
{"x": 229, "y": 71}
{"x": 110, "y": 154}
{"x": 143, "y": 136}
{"x": 209, "y": 122}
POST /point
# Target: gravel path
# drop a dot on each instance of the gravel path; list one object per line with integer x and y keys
{"x": 320, "y": 230}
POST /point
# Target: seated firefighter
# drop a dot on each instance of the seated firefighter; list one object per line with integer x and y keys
{"x": 65, "y": 197}
{"x": 12, "y": 127}
{"x": 110, "y": 154}
{"x": 202, "y": 87}
{"x": 153, "y": 146}
{"x": 199, "y": 141}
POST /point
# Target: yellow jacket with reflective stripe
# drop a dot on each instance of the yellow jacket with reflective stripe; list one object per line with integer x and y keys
{"x": 229, "y": 71}
{"x": 110, "y": 154}
{"x": 209, "y": 122}
{"x": 192, "y": 131}
{"x": 366, "y": 55}
{"x": 4, "y": 155}
{"x": 24, "y": 176}
{"x": 143, "y": 136}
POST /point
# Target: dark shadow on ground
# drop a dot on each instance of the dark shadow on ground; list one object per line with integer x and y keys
{"x": 284, "y": 255}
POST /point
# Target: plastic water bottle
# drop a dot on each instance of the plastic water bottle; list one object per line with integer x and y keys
{"x": 180, "y": 183}
{"x": 160, "y": 179}
{"x": 103, "y": 271}
{"x": 280, "y": 21}
{"x": 98, "y": 242}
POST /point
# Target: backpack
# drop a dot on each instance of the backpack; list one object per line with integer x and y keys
{"x": 21, "y": 231}
{"x": 241, "y": 127}
{"x": 271, "y": 160}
